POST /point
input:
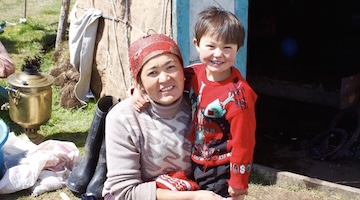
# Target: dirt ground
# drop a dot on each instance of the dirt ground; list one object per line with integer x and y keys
{"x": 256, "y": 192}
{"x": 279, "y": 193}
{"x": 285, "y": 129}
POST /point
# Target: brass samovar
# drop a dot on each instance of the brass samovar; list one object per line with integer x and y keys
{"x": 30, "y": 100}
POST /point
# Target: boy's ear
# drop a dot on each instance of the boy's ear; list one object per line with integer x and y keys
{"x": 195, "y": 42}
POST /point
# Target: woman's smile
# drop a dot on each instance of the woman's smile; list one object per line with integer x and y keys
{"x": 167, "y": 89}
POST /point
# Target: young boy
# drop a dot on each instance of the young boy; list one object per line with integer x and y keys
{"x": 223, "y": 107}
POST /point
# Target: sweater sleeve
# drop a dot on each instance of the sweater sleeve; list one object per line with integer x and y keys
{"x": 124, "y": 179}
{"x": 243, "y": 127}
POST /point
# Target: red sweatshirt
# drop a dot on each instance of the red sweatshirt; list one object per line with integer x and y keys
{"x": 223, "y": 126}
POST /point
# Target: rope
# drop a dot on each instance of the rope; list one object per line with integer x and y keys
{"x": 162, "y": 16}
{"x": 117, "y": 47}
{"x": 108, "y": 56}
{"x": 170, "y": 27}
{"x": 116, "y": 19}
{"x": 127, "y": 33}
{"x": 127, "y": 24}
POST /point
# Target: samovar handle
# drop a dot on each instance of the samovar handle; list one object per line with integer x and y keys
{"x": 16, "y": 94}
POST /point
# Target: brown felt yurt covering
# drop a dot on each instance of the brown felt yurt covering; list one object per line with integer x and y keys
{"x": 121, "y": 23}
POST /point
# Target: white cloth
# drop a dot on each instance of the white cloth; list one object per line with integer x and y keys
{"x": 49, "y": 181}
{"x": 82, "y": 36}
{"x": 42, "y": 168}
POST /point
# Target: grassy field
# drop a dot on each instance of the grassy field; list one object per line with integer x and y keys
{"x": 36, "y": 37}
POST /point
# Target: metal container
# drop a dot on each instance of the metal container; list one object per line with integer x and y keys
{"x": 30, "y": 100}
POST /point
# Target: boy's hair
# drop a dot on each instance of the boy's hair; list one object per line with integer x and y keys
{"x": 220, "y": 23}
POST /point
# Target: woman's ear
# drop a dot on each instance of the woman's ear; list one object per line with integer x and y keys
{"x": 140, "y": 88}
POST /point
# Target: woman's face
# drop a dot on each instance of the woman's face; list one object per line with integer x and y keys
{"x": 162, "y": 78}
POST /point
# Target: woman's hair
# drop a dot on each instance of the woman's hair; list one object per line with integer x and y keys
{"x": 222, "y": 24}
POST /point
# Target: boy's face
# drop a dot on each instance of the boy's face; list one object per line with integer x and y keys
{"x": 217, "y": 56}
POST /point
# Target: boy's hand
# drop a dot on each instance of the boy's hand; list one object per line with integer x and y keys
{"x": 139, "y": 100}
{"x": 236, "y": 193}
{"x": 240, "y": 197}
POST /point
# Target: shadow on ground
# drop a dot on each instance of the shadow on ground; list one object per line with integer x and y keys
{"x": 285, "y": 129}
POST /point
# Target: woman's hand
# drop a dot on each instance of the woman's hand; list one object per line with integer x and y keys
{"x": 182, "y": 195}
{"x": 204, "y": 194}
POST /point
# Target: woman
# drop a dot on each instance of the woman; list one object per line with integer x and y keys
{"x": 7, "y": 66}
{"x": 140, "y": 146}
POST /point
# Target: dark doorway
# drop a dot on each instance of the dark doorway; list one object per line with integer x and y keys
{"x": 313, "y": 43}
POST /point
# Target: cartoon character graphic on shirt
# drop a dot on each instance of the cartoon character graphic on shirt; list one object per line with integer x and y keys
{"x": 214, "y": 112}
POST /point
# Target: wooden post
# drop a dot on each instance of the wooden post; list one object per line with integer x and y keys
{"x": 62, "y": 23}
{"x": 25, "y": 7}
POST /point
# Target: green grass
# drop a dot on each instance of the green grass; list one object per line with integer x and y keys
{"x": 30, "y": 39}
{"x": 36, "y": 38}
{"x": 257, "y": 178}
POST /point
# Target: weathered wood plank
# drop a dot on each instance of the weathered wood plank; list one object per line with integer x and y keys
{"x": 63, "y": 23}
{"x": 293, "y": 91}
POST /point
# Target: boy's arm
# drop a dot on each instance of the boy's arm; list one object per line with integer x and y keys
{"x": 242, "y": 129}
{"x": 139, "y": 99}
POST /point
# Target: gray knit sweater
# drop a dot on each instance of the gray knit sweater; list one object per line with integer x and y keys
{"x": 142, "y": 146}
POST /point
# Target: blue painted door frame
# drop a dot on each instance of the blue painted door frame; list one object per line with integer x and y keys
{"x": 181, "y": 29}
